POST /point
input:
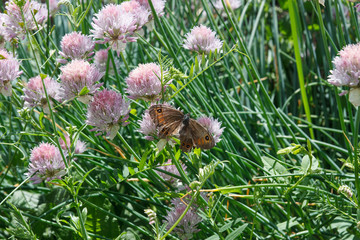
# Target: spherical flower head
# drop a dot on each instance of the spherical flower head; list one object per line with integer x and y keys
{"x": 140, "y": 12}
{"x": 79, "y": 74}
{"x": 233, "y": 4}
{"x": 9, "y": 71}
{"x": 114, "y": 26}
{"x": 18, "y": 19}
{"x": 76, "y": 46}
{"x": 202, "y": 40}
{"x": 159, "y": 6}
{"x": 187, "y": 226}
{"x": 80, "y": 146}
{"x": 213, "y": 126}
{"x": 144, "y": 82}
{"x": 147, "y": 126}
{"x": 101, "y": 59}
{"x": 346, "y": 67}
{"x": 35, "y": 94}
{"x": 46, "y": 162}
{"x": 170, "y": 168}
{"x": 107, "y": 112}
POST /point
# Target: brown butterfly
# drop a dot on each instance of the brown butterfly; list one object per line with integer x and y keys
{"x": 171, "y": 121}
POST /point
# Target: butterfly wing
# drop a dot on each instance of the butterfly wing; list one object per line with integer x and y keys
{"x": 200, "y": 135}
{"x": 167, "y": 119}
{"x": 186, "y": 141}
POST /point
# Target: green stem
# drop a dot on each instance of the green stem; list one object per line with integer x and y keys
{"x": 295, "y": 25}
{"x": 356, "y": 163}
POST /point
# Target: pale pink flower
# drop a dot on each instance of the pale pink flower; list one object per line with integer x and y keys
{"x": 79, "y": 148}
{"x": 79, "y": 74}
{"x": 202, "y": 40}
{"x": 159, "y": 6}
{"x": 213, "y": 126}
{"x": 9, "y": 71}
{"x": 53, "y": 6}
{"x": 233, "y": 4}
{"x": 147, "y": 126}
{"x": 35, "y": 94}
{"x": 46, "y": 162}
{"x": 144, "y": 82}
{"x": 140, "y": 12}
{"x": 188, "y": 224}
{"x": 101, "y": 59}
{"x": 18, "y": 19}
{"x": 170, "y": 168}
{"x": 346, "y": 70}
{"x": 76, "y": 46}
{"x": 114, "y": 26}
{"x": 107, "y": 112}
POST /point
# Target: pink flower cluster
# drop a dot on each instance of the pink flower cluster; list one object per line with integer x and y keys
{"x": 101, "y": 60}
{"x": 107, "y": 111}
{"x": 79, "y": 146}
{"x": 202, "y": 40}
{"x": 76, "y": 46}
{"x": 144, "y": 82}
{"x": 19, "y": 19}
{"x": 35, "y": 94}
{"x": 77, "y": 75}
{"x": 346, "y": 70}
{"x": 117, "y": 24}
{"x": 9, "y": 71}
{"x": 188, "y": 224}
{"x": 170, "y": 168}
{"x": 46, "y": 163}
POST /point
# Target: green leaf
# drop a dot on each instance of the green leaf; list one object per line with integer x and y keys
{"x": 143, "y": 160}
{"x": 236, "y": 233}
{"x": 305, "y": 164}
{"x": 84, "y": 91}
{"x": 41, "y": 116}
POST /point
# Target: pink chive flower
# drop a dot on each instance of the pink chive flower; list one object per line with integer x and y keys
{"x": 76, "y": 46}
{"x": 140, "y": 12}
{"x": 114, "y": 26}
{"x": 233, "y": 4}
{"x": 101, "y": 59}
{"x": 144, "y": 82}
{"x": 80, "y": 146}
{"x": 147, "y": 126}
{"x": 188, "y": 225}
{"x": 46, "y": 162}
{"x": 202, "y": 40}
{"x": 159, "y": 6}
{"x": 171, "y": 169}
{"x": 18, "y": 18}
{"x": 53, "y": 6}
{"x": 35, "y": 94}
{"x": 346, "y": 70}
{"x": 79, "y": 74}
{"x": 9, "y": 71}
{"x": 107, "y": 112}
{"x": 213, "y": 126}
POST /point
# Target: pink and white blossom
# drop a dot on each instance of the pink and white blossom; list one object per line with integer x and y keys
{"x": 107, "y": 112}
{"x": 9, "y": 71}
{"x": 202, "y": 39}
{"x": 76, "y": 46}
{"x": 34, "y": 94}
{"x": 79, "y": 74}
{"x": 46, "y": 163}
{"x": 144, "y": 82}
